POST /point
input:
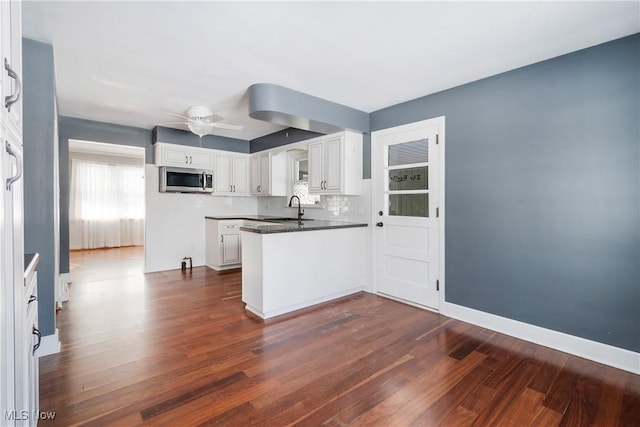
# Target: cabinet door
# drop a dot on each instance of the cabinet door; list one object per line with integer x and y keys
{"x": 240, "y": 175}
{"x": 201, "y": 159}
{"x": 255, "y": 175}
{"x": 34, "y": 373}
{"x": 231, "y": 252}
{"x": 316, "y": 164}
{"x": 174, "y": 157}
{"x": 11, "y": 62}
{"x": 222, "y": 181}
{"x": 265, "y": 174}
{"x": 333, "y": 164}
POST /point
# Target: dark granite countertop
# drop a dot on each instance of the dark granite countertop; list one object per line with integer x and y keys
{"x": 30, "y": 263}
{"x": 294, "y": 225}
{"x": 250, "y": 217}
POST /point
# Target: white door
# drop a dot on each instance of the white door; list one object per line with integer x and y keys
{"x": 231, "y": 250}
{"x": 254, "y": 174}
{"x": 316, "y": 165}
{"x": 265, "y": 174}
{"x": 332, "y": 163}
{"x": 240, "y": 175}
{"x": 11, "y": 41}
{"x": 175, "y": 157}
{"x": 200, "y": 159}
{"x": 223, "y": 171}
{"x": 408, "y": 211}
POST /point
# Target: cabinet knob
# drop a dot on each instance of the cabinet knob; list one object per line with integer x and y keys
{"x": 379, "y": 224}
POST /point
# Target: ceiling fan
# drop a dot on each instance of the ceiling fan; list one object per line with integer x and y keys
{"x": 201, "y": 121}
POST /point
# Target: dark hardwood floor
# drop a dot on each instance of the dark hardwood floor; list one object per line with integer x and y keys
{"x": 178, "y": 349}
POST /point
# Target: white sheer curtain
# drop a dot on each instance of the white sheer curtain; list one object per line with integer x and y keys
{"x": 106, "y": 205}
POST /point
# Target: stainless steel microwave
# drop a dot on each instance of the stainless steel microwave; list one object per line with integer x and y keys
{"x": 183, "y": 180}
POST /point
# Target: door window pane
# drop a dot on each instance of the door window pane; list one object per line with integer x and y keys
{"x": 409, "y": 152}
{"x": 409, "y": 205}
{"x": 409, "y": 179}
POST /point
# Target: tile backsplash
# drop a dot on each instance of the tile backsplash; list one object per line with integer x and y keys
{"x": 337, "y": 208}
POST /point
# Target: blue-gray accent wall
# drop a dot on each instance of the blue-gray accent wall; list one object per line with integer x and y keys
{"x": 287, "y": 107}
{"x": 543, "y": 191}
{"x": 38, "y": 145}
{"x": 180, "y": 137}
{"x": 280, "y": 138}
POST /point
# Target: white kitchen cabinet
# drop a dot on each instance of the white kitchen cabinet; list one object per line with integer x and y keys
{"x": 231, "y": 249}
{"x": 27, "y": 388}
{"x": 231, "y": 174}
{"x": 335, "y": 164}
{"x": 182, "y": 156}
{"x": 11, "y": 44}
{"x": 268, "y": 174}
{"x": 223, "y": 245}
{"x": 15, "y": 316}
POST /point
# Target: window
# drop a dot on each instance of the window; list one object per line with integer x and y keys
{"x": 408, "y": 179}
{"x": 106, "y": 205}
{"x": 299, "y": 178}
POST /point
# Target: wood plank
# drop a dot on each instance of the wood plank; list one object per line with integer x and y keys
{"x": 170, "y": 348}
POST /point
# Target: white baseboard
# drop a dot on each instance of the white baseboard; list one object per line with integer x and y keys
{"x": 598, "y": 352}
{"x": 50, "y": 344}
{"x": 63, "y": 291}
{"x": 309, "y": 303}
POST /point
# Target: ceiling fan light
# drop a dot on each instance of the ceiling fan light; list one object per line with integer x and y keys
{"x": 200, "y": 129}
{"x": 198, "y": 111}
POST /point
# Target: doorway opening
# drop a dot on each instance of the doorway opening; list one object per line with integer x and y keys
{"x": 106, "y": 207}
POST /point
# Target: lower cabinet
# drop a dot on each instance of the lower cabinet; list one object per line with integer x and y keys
{"x": 223, "y": 245}
{"x": 27, "y": 381}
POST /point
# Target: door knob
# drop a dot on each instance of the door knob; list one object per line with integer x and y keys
{"x": 379, "y": 224}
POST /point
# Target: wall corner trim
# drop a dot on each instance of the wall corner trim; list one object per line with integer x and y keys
{"x": 50, "y": 344}
{"x": 598, "y": 352}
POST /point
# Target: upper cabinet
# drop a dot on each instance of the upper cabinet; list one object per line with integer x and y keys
{"x": 268, "y": 174}
{"x": 335, "y": 164}
{"x": 182, "y": 156}
{"x": 11, "y": 84}
{"x": 231, "y": 174}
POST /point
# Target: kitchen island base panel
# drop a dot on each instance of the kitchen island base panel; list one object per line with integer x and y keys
{"x": 305, "y": 304}
{"x": 283, "y": 272}
{"x": 228, "y": 267}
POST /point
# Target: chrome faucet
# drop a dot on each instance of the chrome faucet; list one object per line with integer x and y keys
{"x": 300, "y": 211}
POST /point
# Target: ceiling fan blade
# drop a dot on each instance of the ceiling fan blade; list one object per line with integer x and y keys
{"x": 212, "y": 118}
{"x": 172, "y": 123}
{"x": 178, "y": 115}
{"x": 227, "y": 126}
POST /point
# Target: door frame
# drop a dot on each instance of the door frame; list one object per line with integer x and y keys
{"x": 439, "y": 123}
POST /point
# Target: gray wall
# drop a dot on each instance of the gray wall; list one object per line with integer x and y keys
{"x": 287, "y": 107}
{"x": 88, "y": 130}
{"x": 214, "y": 142}
{"x": 39, "y": 140}
{"x": 543, "y": 191}
{"x": 283, "y": 137}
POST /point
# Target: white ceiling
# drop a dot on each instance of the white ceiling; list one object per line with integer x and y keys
{"x": 132, "y": 62}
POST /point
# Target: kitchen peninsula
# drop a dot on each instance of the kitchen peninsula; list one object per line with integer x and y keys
{"x": 294, "y": 264}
